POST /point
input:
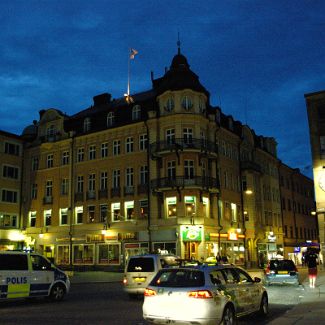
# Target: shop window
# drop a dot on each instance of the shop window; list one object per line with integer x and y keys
{"x": 63, "y": 255}
{"x": 109, "y": 254}
{"x": 166, "y": 248}
{"x": 83, "y": 254}
{"x": 190, "y": 207}
{"x": 171, "y": 207}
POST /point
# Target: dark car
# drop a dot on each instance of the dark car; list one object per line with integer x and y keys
{"x": 281, "y": 271}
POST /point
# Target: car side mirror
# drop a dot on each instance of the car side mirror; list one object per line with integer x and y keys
{"x": 257, "y": 280}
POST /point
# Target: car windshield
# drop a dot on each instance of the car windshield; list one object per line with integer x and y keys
{"x": 286, "y": 265}
{"x": 141, "y": 264}
{"x": 178, "y": 278}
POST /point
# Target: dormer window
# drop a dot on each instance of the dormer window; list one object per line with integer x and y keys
{"x": 136, "y": 113}
{"x": 87, "y": 124}
{"x": 110, "y": 119}
{"x": 50, "y": 132}
{"x": 169, "y": 104}
{"x": 187, "y": 103}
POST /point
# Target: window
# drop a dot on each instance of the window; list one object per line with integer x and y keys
{"x": 205, "y": 203}
{"x": 34, "y": 192}
{"x": 104, "y": 150}
{"x": 169, "y": 104}
{"x": 91, "y": 213}
{"x": 92, "y": 152}
{"x": 79, "y": 215}
{"x": 136, "y": 112}
{"x": 189, "y": 169}
{"x": 170, "y": 136}
{"x": 190, "y": 207}
{"x": 91, "y": 182}
{"x": 144, "y": 209}
{"x": 8, "y": 221}
{"x": 80, "y": 154}
{"x": 201, "y": 105}
{"x": 48, "y": 188}
{"x": 171, "y": 169}
{"x": 129, "y": 210}
{"x": 116, "y": 147}
{"x": 87, "y": 124}
{"x": 109, "y": 254}
{"x": 110, "y": 119}
{"x": 64, "y": 217}
{"x": 80, "y": 184}
{"x": 65, "y": 157}
{"x": 47, "y": 217}
{"x": 129, "y": 145}
{"x": 83, "y": 254}
{"x": 233, "y": 212}
{"x": 49, "y": 161}
{"x": 50, "y": 132}
{"x": 188, "y": 135}
{"x": 64, "y": 186}
{"x": 35, "y": 163}
{"x": 32, "y": 219}
{"x": 187, "y": 103}
{"x": 143, "y": 142}
{"x": 116, "y": 210}
{"x": 116, "y": 178}
{"x": 129, "y": 176}
{"x": 9, "y": 196}
{"x": 171, "y": 206}
{"x": 10, "y": 172}
{"x": 143, "y": 175}
{"x": 14, "y": 262}
{"x": 12, "y": 149}
{"x": 103, "y": 180}
{"x": 103, "y": 213}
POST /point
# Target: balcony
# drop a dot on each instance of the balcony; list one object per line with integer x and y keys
{"x": 116, "y": 191}
{"x": 200, "y": 182}
{"x": 91, "y": 195}
{"x": 47, "y": 199}
{"x": 180, "y": 144}
{"x": 250, "y": 165}
{"x": 142, "y": 188}
{"x": 128, "y": 190}
{"x": 79, "y": 196}
{"x": 103, "y": 194}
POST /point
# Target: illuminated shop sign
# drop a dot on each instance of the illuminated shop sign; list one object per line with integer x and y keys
{"x": 232, "y": 236}
{"x": 192, "y": 233}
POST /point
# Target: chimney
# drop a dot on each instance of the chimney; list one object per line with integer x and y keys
{"x": 102, "y": 99}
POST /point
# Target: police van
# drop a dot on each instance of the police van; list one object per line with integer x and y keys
{"x": 27, "y": 275}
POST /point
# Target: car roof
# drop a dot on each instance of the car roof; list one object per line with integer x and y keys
{"x": 204, "y": 267}
{"x": 153, "y": 255}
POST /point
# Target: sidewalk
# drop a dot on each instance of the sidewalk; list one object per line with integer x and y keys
{"x": 311, "y": 309}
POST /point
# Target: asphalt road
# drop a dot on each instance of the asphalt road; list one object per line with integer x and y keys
{"x": 106, "y": 303}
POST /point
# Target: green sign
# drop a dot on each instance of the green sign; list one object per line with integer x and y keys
{"x": 192, "y": 234}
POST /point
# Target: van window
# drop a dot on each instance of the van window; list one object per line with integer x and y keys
{"x": 39, "y": 263}
{"x": 13, "y": 262}
{"x": 141, "y": 264}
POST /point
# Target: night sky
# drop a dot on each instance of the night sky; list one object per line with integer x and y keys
{"x": 256, "y": 58}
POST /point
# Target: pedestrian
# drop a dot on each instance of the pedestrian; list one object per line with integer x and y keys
{"x": 218, "y": 258}
{"x": 311, "y": 260}
{"x": 224, "y": 259}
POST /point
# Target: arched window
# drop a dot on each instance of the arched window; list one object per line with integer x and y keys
{"x": 110, "y": 119}
{"x": 87, "y": 124}
{"x": 169, "y": 104}
{"x": 201, "y": 106}
{"x": 187, "y": 103}
{"x": 136, "y": 112}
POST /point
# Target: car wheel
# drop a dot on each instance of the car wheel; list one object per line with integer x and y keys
{"x": 264, "y": 307}
{"x": 228, "y": 317}
{"x": 57, "y": 292}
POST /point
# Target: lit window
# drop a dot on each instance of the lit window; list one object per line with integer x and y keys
{"x": 189, "y": 206}
{"x": 171, "y": 206}
{"x": 129, "y": 210}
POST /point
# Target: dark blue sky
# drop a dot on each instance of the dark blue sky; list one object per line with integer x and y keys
{"x": 256, "y": 58}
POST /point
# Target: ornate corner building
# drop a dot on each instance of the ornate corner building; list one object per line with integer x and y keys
{"x": 160, "y": 171}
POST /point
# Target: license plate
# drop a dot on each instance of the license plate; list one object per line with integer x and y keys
{"x": 282, "y": 272}
{"x": 139, "y": 279}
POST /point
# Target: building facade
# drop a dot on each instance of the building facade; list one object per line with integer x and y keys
{"x": 11, "y": 157}
{"x": 315, "y": 103}
{"x": 161, "y": 171}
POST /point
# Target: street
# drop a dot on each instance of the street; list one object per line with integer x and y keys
{"x": 106, "y": 303}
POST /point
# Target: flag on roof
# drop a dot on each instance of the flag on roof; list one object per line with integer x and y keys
{"x": 133, "y": 52}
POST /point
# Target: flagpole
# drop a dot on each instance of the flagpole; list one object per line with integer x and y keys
{"x": 128, "y": 91}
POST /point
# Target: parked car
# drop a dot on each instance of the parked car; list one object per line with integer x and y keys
{"x": 140, "y": 269}
{"x": 203, "y": 295}
{"x": 281, "y": 271}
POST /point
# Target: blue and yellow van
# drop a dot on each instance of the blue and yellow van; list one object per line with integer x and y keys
{"x": 27, "y": 275}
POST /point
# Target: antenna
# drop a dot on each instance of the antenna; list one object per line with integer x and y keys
{"x": 178, "y": 44}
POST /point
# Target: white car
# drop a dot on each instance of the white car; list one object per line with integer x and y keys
{"x": 203, "y": 295}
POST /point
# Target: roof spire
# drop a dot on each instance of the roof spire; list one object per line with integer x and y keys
{"x": 178, "y": 44}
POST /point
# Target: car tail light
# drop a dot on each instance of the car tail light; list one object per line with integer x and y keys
{"x": 149, "y": 292}
{"x": 201, "y": 294}
{"x": 125, "y": 281}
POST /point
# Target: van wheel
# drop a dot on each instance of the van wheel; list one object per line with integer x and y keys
{"x": 57, "y": 292}
{"x": 229, "y": 317}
